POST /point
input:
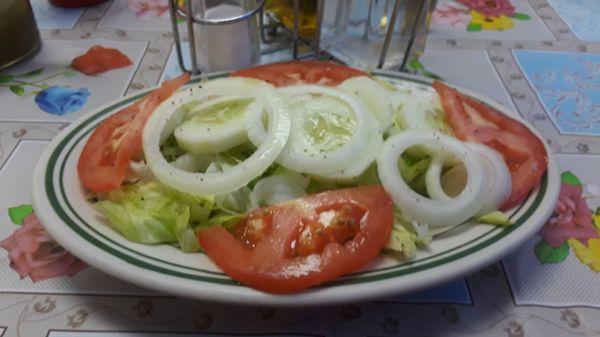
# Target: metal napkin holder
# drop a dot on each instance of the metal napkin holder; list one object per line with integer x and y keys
{"x": 316, "y": 53}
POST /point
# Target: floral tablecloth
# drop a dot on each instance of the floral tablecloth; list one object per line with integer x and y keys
{"x": 541, "y": 58}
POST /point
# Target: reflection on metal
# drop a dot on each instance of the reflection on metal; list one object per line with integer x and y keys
{"x": 388, "y": 34}
{"x": 389, "y": 20}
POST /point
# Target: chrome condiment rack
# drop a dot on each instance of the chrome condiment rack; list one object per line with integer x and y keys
{"x": 316, "y": 53}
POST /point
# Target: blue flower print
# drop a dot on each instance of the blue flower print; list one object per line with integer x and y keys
{"x": 59, "y": 100}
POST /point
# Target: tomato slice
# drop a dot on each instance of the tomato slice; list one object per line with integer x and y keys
{"x": 104, "y": 161}
{"x": 291, "y": 246}
{"x": 523, "y": 152}
{"x": 99, "y": 59}
{"x": 301, "y": 72}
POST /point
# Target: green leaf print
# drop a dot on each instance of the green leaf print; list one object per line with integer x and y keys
{"x": 521, "y": 16}
{"x": 546, "y": 254}
{"x": 17, "y": 90}
{"x": 474, "y": 27}
{"x": 18, "y": 213}
{"x": 568, "y": 177}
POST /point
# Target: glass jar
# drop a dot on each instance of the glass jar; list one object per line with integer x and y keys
{"x": 19, "y": 35}
{"x": 355, "y": 31}
{"x": 284, "y": 12}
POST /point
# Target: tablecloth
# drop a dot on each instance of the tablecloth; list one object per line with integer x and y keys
{"x": 541, "y": 58}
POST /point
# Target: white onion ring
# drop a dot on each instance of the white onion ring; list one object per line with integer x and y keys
{"x": 217, "y": 138}
{"x": 416, "y": 105}
{"x": 192, "y": 162}
{"x": 165, "y": 119}
{"x": 254, "y": 125}
{"x": 375, "y": 96}
{"x": 278, "y": 188}
{"x": 363, "y": 161}
{"x": 435, "y": 213}
{"x": 433, "y": 178}
{"x": 293, "y": 156}
{"x": 497, "y": 181}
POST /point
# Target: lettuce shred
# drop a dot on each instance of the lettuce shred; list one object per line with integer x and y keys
{"x": 406, "y": 236}
{"x": 153, "y": 213}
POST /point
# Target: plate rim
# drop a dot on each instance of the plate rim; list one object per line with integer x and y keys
{"x": 335, "y": 292}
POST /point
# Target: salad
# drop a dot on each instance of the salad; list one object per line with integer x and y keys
{"x": 290, "y": 175}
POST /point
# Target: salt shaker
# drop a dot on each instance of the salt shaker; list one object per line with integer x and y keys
{"x": 221, "y": 44}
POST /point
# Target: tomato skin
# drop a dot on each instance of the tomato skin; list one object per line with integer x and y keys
{"x": 99, "y": 59}
{"x": 272, "y": 264}
{"x": 524, "y": 153}
{"x": 301, "y": 72}
{"x": 106, "y": 156}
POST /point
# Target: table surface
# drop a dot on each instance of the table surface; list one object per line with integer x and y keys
{"x": 544, "y": 64}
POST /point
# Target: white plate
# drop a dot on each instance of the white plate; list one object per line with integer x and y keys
{"x": 59, "y": 202}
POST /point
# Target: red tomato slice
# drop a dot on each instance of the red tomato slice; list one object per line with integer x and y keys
{"x": 301, "y": 72}
{"x": 99, "y": 59}
{"x": 523, "y": 152}
{"x": 104, "y": 161}
{"x": 298, "y": 244}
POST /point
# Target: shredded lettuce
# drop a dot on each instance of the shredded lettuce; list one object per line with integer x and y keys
{"x": 237, "y": 202}
{"x": 153, "y": 213}
{"x": 495, "y": 218}
{"x": 235, "y": 155}
{"x": 316, "y": 186}
{"x": 369, "y": 177}
{"x": 402, "y": 241}
{"x": 437, "y": 120}
{"x": 413, "y": 167}
{"x": 407, "y": 235}
{"x": 226, "y": 220}
{"x": 171, "y": 149}
{"x": 398, "y": 121}
{"x": 417, "y": 109}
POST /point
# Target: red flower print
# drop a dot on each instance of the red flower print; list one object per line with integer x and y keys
{"x": 571, "y": 219}
{"x": 490, "y": 7}
{"x": 99, "y": 59}
{"x": 34, "y": 253}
